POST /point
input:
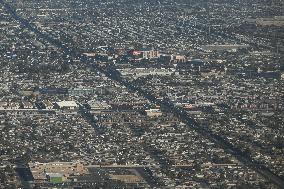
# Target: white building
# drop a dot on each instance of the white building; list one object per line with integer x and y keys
{"x": 70, "y": 105}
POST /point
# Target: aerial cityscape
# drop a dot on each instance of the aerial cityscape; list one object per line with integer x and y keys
{"x": 141, "y": 94}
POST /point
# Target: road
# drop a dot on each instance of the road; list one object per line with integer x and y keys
{"x": 113, "y": 74}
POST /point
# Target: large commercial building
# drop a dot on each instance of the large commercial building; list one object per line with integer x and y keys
{"x": 144, "y": 54}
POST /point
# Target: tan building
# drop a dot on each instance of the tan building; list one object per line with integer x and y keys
{"x": 40, "y": 170}
{"x": 154, "y": 112}
{"x": 149, "y": 54}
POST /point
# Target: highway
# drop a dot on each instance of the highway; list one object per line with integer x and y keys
{"x": 113, "y": 74}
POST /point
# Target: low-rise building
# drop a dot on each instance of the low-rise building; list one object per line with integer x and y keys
{"x": 70, "y": 105}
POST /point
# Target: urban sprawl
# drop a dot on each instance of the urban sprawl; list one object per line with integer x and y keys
{"x": 141, "y": 94}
